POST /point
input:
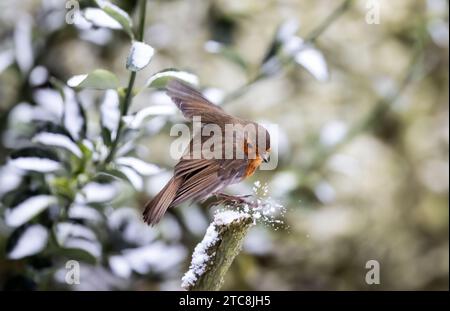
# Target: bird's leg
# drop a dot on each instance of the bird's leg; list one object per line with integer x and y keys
{"x": 234, "y": 199}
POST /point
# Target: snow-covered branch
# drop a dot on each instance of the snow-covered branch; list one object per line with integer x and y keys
{"x": 213, "y": 256}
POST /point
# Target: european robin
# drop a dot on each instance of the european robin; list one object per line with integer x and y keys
{"x": 211, "y": 162}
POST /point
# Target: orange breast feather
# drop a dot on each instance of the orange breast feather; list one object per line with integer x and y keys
{"x": 252, "y": 166}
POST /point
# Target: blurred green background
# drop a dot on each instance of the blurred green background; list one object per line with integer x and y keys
{"x": 363, "y": 155}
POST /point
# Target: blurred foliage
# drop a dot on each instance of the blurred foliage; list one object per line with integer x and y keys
{"x": 362, "y": 113}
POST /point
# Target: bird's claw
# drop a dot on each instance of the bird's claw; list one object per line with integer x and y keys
{"x": 222, "y": 198}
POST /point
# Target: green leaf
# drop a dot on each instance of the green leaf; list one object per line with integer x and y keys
{"x": 106, "y": 136}
{"x": 118, "y": 14}
{"x": 99, "y": 79}
{"x": 160, "y": 79}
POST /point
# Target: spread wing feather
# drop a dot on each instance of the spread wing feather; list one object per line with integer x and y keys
{"x": 193, "y": 103}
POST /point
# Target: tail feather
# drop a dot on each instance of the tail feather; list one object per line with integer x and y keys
{"x": 157, "y": 207}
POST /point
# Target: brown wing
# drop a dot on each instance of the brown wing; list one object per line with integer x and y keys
{"x": 193, "y": 103}
{"x": 202, "y": 177}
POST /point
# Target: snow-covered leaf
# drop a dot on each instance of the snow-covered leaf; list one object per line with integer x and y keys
{"x": 23, "y": 43}
{"x": 27, "y": 241}
{"x": 128, "y": 221}
{"x": 96, "y": 192}
{"x": 110, "y": 115}
{"x": 99, "y": 79}
{"x": 35, "y": 159}
{"x": 10, "y": 178}
{"x": 6, "y": 59}
{"x": 138, "y": 165}
{"x": 38, "y": 76}
{"x": 28, "y": 209}
{"x": 41, "y": 165}
{"x": 51, "y": 100}
{"x": 66, "y": 230}
{"x": 80, "y": 211}
{"x": 118, "y": 15}
{"x": 133, "y": 177}
{"x": 119, "y": 266}
{"x": 157, "y": 257}
{"x": 100, "y": 18}
{"x": 139, "y": 56}
{"x": 75, "y": 236}
{"x": 135, "y": 121}
{"x": 313, "y": 61}
{"x": 160, "y": 79}
{"x": 287, "y": 29}
{"x": 58, "y": 140}
{"x": 74, "y": 115}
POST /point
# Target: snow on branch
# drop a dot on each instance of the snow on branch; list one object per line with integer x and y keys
{"x": 213, "y": 256}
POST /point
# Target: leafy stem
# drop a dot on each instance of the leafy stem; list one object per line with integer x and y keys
{"x": 125, "y": 103}
{"x": 310, "y": 38}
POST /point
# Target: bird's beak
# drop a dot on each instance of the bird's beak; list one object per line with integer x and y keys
{"x": 265, "y": 157}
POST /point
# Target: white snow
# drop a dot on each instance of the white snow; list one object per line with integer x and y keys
{"x": 20, "y": 214}
{"x": 129, "y": 222}
{"x": 96, "y": 192}
{"x": 73, "y": 118}
{"x": 31, "y": 242}
{"x": 292, "y": 45}
{"x": 71, "y": 235}
{"x": 6, "y": 59}
{"x": 92, "y": 247}
{"x": 36, "y": 164}
{"x": 139, "y": 166}
{"x": 110, "y": 113}
{"x": 106, "y": 5}
{"x": 135, "y": 121}
{"x": 139, "y": 56}
{"x": 10, "y": 178}
{"x": 200, "y": 256}
{"x": 23, "y": 43}
{"x": 119, "y": 266}
{"x": 50, "y": 100}
{"x": 100, "y": 18}
{"x": 64, "y": 230}
{"x": 287, "y": 30}
{"x": 133, "y": 177}
{"x": 85, "y": 212}
{"x": 313, "y": 61}
{"x": 76, "y": 80}
{"x": 182, "y": 75}
{"x": 157, "y": 257}
{"x": 58, "y": 140}
{"x": 226, "y": 217}
{"x": 38, "y": 75}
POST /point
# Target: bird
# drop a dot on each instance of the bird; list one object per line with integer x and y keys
{"x": 241, "y": 151}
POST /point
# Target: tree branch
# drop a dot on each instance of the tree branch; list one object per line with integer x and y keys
{"x": 213, "y": 256}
